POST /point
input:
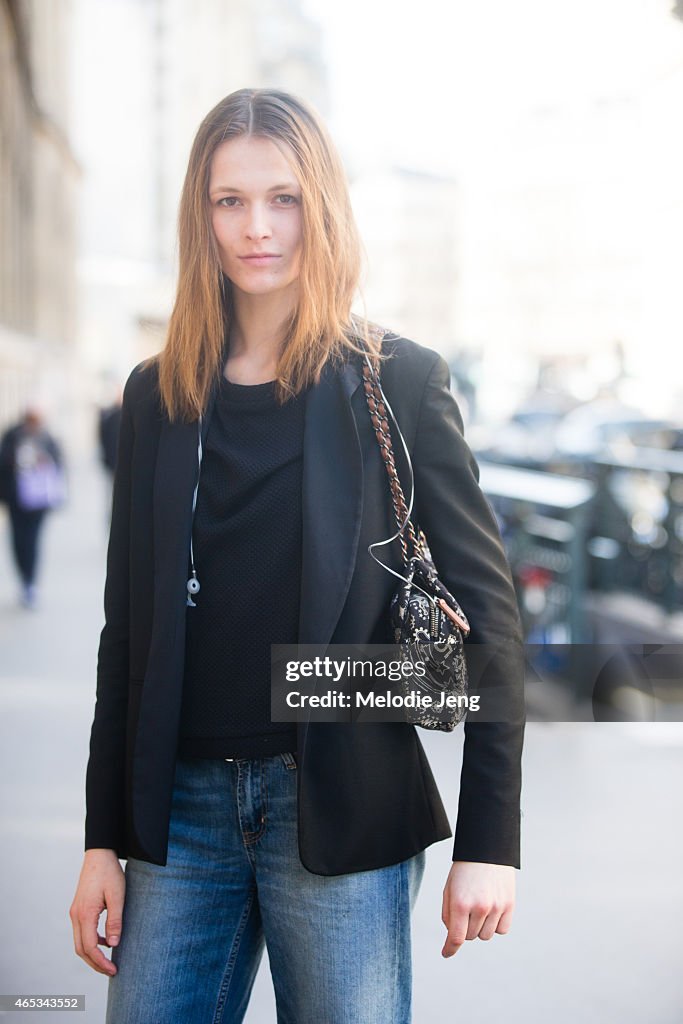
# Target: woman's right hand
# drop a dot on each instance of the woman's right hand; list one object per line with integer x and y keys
{"x": 102, "y": 885}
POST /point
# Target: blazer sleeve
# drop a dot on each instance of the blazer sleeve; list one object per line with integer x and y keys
{"x": 105, "y": 776}
{"x": 467, "y": 549}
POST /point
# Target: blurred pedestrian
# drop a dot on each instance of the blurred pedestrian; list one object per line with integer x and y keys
{"x": 108, "y": 433}
{"x": 108, "y": 426}
{"x": 32, "y": 482}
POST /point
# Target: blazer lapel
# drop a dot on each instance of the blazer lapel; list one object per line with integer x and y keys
{"x": 174, "y": 481}
{"x": 160, "y": 703}
{"x": 332, "y": 502}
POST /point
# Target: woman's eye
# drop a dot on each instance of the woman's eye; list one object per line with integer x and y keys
{"x": 230, "y": 201}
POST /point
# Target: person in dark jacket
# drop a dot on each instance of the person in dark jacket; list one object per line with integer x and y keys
{"x": 32, "y": 482}
{"x": 109, "y": 422}
{"x": 249, "y": 485}
{"x": 108, "y": 426}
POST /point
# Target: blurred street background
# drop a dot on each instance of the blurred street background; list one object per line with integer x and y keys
{"x": 515, "y": 171}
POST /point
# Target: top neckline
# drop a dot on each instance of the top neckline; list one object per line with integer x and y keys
{"x": 248, "y": 392}
{"x": 234, "y": 384}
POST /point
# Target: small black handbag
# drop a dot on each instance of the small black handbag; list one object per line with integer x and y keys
{"x": 423, "y": 631}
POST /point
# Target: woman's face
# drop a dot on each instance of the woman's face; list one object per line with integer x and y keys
{"x": 256, "y": 208}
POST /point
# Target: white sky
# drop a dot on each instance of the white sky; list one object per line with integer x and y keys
{"x": 424, "y": 81}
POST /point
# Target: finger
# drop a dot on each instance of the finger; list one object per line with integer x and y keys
{"x": 445, "y": 907}
{"x": 505, "y": 922}
{"x": 96, "y": 959}
{"x": 78, "y": 945}
{"x": 91, "y": 953}
{"x": 80, "y": 950}
{"x": 114, "y": 918}
{"x": 476, "y": 922}
{"x": 457, "y": 931}
{"x": 78, "y": 940}
{"x": 490, "y": 925}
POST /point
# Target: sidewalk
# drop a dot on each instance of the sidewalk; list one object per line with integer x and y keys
{"x": 596, "y": 933}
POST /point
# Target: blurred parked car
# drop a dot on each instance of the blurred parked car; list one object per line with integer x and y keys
{"x": 592, "y": 428}
{"x": 528, "y": 438}
{"x": 555, "y": 434}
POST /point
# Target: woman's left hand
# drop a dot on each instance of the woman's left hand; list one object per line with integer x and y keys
{"x": 478, "y": 900}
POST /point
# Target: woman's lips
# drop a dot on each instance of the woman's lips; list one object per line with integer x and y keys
{"x": 259, "y": 259}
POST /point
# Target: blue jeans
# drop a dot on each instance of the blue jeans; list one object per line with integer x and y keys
{"x": 194, "y": 931}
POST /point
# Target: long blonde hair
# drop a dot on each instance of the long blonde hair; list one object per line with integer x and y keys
{"x": 322, "y": 327}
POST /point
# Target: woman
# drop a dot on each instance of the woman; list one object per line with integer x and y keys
{"x": 248, "y": 487}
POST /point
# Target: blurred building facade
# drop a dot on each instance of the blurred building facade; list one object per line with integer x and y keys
{"x": 408, "y": 221}
{"x": 38, "y": 200}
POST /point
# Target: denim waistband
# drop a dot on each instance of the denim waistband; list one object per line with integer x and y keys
{"x": 288, "y": 759}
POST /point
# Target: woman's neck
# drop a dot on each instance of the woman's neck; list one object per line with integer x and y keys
{"x": 257, "y": 332}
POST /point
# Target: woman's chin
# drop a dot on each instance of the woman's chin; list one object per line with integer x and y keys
{"x": 262, "y": 287}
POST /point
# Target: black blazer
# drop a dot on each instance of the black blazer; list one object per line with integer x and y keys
{"x": 366, "y": 794}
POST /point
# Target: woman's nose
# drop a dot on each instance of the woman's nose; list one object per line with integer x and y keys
{"x": 258, "y": 223}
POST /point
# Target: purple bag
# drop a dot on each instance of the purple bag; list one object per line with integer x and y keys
{"x": 41, "y": 486}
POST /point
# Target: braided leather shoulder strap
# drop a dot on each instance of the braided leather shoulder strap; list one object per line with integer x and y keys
{"x": 380, "y": 421}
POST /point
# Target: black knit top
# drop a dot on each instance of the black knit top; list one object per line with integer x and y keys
{"x": 247, "y": 552}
